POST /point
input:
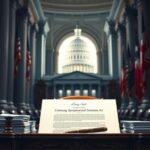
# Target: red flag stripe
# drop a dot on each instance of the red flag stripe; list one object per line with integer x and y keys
{"x": 17, "y": 55}
{"x": 28, "y": 63}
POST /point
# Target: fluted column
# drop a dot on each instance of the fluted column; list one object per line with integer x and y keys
{"x": 131, "y": 33}
{"x": 4, "y": 42}
{"x": 51, "y": 42}
{"x": 131, "y": 16}
{"x": 121, "y": 52}
{"x": 33, "y": 66}
{"x": 143, "y": 7}
{"x": 33, "y": 56}
{"x": 50, "y": 52}
{"x": 113, "y": 55}
{"x": 146, "y": 11}
{"x": 121, "y": 44}
{"x": 20, "y": 81}
{"x": 10, "y": 76}
{"x": 28, "y": 50}
{"x": 39, "y": 49}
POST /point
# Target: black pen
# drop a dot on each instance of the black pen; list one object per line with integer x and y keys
{"x": 91, "y": 130}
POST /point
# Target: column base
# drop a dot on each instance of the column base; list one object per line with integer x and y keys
{"x": 3, "y": 111}
{"x": 29, "y": 110}
{"x": 143, "y": 110}
{"x": 11, "y": 108}
{"x": 130, "y": 112}
{"x": 122, "y": 109}
{"x": 21, "y": 109}
{"x": 147, "y": 114}
{"x": 3, "y": 107}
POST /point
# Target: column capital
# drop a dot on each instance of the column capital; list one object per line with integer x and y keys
{"x": 41, "y": 28}
{"x": 111, "y": 24}
{"x": 121, "y": 27}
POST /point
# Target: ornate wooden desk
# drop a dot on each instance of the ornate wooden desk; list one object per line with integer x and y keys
{"x": 75, "y": 141}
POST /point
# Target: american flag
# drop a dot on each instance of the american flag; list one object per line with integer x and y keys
{"x": 138, "y": 87}
{"x": 28, "y": 62}
{"x": 130, "y": 72}
{"x": 144, "y": 56}
{"x": 17, "y": 55}
{"x": 124, "y": 78}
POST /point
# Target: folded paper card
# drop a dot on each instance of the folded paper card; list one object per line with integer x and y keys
{"x": 82, "y": 116}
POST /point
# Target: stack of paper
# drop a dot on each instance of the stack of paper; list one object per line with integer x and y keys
{"x": 33, "y": 126}
{"x": 20, "y": 123}
{"x": 135, "y": 126}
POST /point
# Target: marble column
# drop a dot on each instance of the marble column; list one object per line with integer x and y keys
{"x": 131, "y": 31}
{"x": 143, "y": 7}
{"x": 20, "y": 81}
{"x": 39, "y": 55}
{"x": 131, "y": 34}
{"x": 121, "y": 44}
{"x": 146, "y": 12}
{"x": 33, "y": 55}
{"x": 51, "y": 42}
{"x": 55, "y": 61}
{"x": 11, "y": 51}
{"x": 50, "y": 52}
{"x": 113, "y": 55}
{"x": 28, "y": 109}
{"x": 121, "y": 51}
{"x": 4, "y": 42}
{"x": 34, "y": 29}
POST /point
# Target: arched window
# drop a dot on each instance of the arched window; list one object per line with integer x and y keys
{"x": 77, "y": 46}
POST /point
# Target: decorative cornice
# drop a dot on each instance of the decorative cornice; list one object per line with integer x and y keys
{"x": 76, "y": 7}
{"x": 116, "y": 9}
{"x": 36, "y": 11}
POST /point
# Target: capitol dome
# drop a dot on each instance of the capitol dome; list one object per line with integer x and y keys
{"x": 78, "y": 55}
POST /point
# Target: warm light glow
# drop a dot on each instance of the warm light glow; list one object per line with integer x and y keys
{"x": 64, "y": 47}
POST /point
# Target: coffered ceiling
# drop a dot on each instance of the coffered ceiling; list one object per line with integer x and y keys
{"x": 76, "y": 6}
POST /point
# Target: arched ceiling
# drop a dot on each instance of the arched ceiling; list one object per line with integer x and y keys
{"x": 76, "y": 6}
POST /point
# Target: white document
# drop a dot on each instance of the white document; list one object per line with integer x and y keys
{"x": 79, "y": 116}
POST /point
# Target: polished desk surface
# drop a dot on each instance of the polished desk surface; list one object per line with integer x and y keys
{"x": 78, "y": 141}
